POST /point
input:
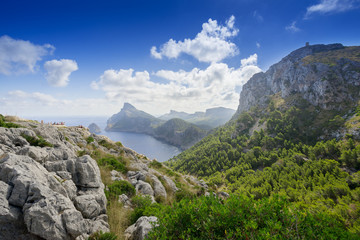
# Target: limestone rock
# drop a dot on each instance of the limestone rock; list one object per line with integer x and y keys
{"x": 125, "y": 200}
{"x": 144, "y": 188}
{"x": 159, "y": 189}
{"x": 116, "y": 176}
{"x": 170, "y": 183}
{"x": 140, "y": 229}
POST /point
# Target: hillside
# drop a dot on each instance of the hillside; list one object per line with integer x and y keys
{"x": 59, "y": 182}
{"x": 212, "y": 117}
{"x": 176, "y": 131}
{"x": 296, "y": 134}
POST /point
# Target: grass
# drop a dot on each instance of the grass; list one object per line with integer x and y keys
{"x": 119, "y": 218}
{"x": 38, "y": 141}
{"x": 331, "y": 57}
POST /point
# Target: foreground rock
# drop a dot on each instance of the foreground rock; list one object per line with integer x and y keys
{"x": 140, "y": 229}
{"x": 49, "y": 192}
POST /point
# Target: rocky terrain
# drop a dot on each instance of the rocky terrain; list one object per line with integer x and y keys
{"x": 325, "y": 75}
{"x": 51, "y": 188}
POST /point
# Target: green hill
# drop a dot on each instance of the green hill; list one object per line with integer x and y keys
{"x": 296, "y": 134}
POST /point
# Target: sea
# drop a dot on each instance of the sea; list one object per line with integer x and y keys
{"x": 141, "y": 143}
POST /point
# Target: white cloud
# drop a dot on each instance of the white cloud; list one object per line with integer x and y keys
{"x": 258, "y": 45}
{"x": 58, "y": 71}
{"x": 217, "y": 85}
{"x": 292, "y": 27}
{"x": 331, "y": 6}
{"x": 19, "y": 56}
{"x": 40, "y": 104}
{"x": 210, "y": 45}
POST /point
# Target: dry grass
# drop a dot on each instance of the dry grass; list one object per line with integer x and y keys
{"x": 331, "y": 57}
{"x": 118, "y": 218}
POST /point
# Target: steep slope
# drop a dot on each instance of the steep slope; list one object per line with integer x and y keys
{"x": 60, "y": 182}
{"x": 296, "y": 133}
{"x": 130, "y": 119}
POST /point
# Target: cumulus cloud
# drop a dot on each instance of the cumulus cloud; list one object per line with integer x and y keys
{"x": 217, "y": 85}
{"x": 331, "y": 6}
{"x": 210, "y": 45}
{"x": 292, "y": 27}
{"x": 19, "y": 56}
{"x": 58, "y": 71}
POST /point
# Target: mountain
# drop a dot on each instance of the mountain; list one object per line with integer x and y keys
{"x": 179, "y": 133}
{"x": 94, "y": 128}
{"x": 296, "y": 134}
{"x": 130, "y": 119}
{"x": 212, "y": 117}
{"x": 176, "y": 131}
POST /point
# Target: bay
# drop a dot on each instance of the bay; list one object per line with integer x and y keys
{"x": 141, "y": 143}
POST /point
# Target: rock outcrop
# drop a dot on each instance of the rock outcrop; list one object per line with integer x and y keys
{"x": 48, "y": 192}
{"x": 325, "y": 75}
{"x": 140, "y": 229}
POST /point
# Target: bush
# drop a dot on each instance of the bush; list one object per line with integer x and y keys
{"x": 38, "y": 141}
{"x": 155, "y": 164}
{"x": 143, "y": 206}
{"x": 119, "y": 187}
{"x": 114, "y": 163}
{"x": 90, "y": 139}
{"x": 5, "y": 124}
{"x": 240, "y": 217}
{"x": 103, "y": 236}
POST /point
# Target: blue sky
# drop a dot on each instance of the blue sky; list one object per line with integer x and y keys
{"x": 89, "y": 57}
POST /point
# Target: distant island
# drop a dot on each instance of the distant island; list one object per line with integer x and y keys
{"x": 176, "y": 128}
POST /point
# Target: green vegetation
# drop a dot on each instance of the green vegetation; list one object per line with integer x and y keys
{"x": 114, "y": 163}
{"x": 103, "y": 236}
{"x": 38, "y": 141}
{"x": 241, "y": 217}
{"x": 90, "y": 139}
{"x": 5, "y": 124}
{"x": 331, "y": 57}
{"x": 276, "y": 150}
{"x": 119, "y": 187}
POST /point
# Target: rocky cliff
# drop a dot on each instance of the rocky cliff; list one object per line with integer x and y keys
{"x": 325, "y": 75}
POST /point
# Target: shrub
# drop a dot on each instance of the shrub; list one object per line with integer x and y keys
{"x": 107, "y": 144}
{"x": 103, "y": 236}
{"x": 114, "y": 163}
{"x": 119, "y": 187}
{"x": 240, "y": 217}
{"x": 5, "y": 124}
{"x": 143, "y": 206}
{"x": 38, "y": 141}
{"x": 155, "y": 164}
{"x": 90, "y": 139}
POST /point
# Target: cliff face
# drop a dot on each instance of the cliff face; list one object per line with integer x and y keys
{"x": 46, "y": 191}
{"x": 327, "y": 76}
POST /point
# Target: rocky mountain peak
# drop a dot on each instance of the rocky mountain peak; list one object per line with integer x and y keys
{"x": 128, "y": 106}
{"x": 327, "y": 76}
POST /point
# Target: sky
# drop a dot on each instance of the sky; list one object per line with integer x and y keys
{"x": 86, "y": 58}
